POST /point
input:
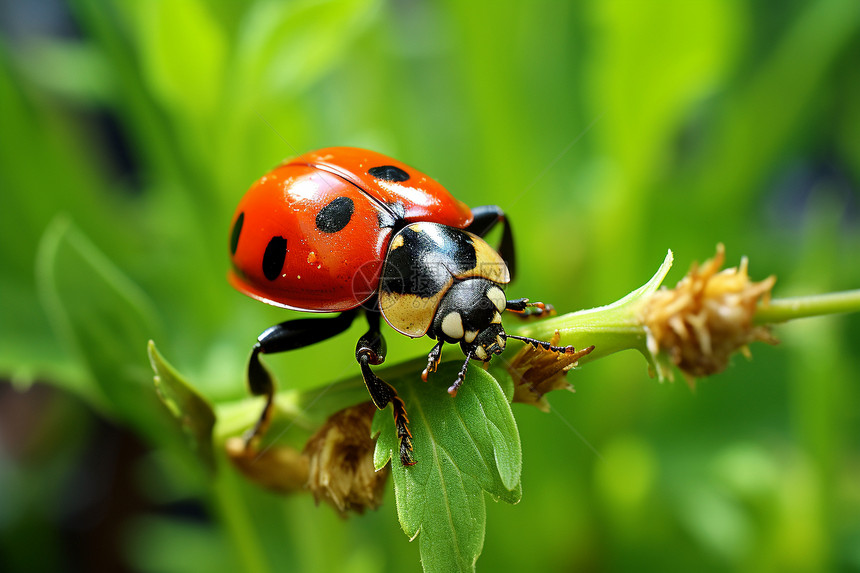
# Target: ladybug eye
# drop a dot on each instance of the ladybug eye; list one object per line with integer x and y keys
{"x": 273, "y": 258}
{"x": 336, "y": 215}
{"x": 388, "y": 173}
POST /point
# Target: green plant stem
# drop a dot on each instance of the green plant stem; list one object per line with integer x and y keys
{"x": 785, "y": 309}
{"x": 610, "y": 329}
{"x": 238, "y": 523}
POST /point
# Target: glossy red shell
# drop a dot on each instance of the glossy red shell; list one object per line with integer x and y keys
{"x": 422, "y": 198}
{"x": 329, "y": 271}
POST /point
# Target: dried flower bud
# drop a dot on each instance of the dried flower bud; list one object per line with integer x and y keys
{"x": 341, "y": 461}
{"x": 537, "y": 372}
{"x": 706, "y": 318}
{"x": 279, "y": 468}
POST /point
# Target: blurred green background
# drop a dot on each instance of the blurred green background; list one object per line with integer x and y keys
{"x": 609, "y": 130}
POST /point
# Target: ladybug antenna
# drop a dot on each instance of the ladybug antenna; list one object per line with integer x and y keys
{"x": 542, "y": 344}
{"x": 452, "y": 390}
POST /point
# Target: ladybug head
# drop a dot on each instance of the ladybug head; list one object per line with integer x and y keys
{"x": 470, "y": 314}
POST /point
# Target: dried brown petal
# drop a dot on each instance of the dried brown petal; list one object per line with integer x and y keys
{"x": 278, "y": 468}
{"x": 340, "y": 457}
{"x": 707, "y": 317}
{"x": 536, "y": 372}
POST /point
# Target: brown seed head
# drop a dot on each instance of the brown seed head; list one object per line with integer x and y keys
{"x": 340, "y": 457}
{"x": 707, "y": 317}
{"x": 536, "y": 372}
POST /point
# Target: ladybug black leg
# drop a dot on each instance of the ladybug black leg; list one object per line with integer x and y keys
{"x": 371, "y": 350}
{"x": 433, "y": 360}
{"x": 486, "y": 217}
{"x": 526, "y": 309}
{"x": 285, "y": 336}
{"x": 452, "y": 390}
{"x": 543, "y": 344}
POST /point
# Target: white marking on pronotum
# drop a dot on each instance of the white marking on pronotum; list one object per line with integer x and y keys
{"x": 452, "y": 325}
{"x": 470, "y": 336}
{"x": 497, "y": 297}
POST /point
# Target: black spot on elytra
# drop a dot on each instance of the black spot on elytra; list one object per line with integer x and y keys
{"x": 388, "y": 173}
{"x": 423, "y": 265}
{"x": 273, "y": 258}
{"x": 336, "y": 215}
{"x": 236, "y": 233}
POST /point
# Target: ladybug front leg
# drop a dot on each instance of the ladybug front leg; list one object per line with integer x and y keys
{"x": 371, "y": 350}
{"x": 433, "y": 360}
{"x": 526, "y": 309}
{"x": 282, "y": 337}
{"x": 461, "y": 377}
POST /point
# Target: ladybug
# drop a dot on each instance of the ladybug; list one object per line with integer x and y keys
{"x": 350, "y": 231}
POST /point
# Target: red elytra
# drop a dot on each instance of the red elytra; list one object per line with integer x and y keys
{"x": 312, "y": 234}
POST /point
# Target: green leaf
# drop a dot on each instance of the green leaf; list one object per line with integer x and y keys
{"x": 37, "y": 133}
{"x": 463, "y": 446}
{"x": 183, "y": 53}
{"x": 819, "y": 36}
{"x": 286, "y": 46}
{"x": 106, "y": 320}
{"x": 646, "y": 82}
{"x": 190, "y": 409}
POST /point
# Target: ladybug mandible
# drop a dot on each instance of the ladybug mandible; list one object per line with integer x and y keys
{"x": 352, "y": 231}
